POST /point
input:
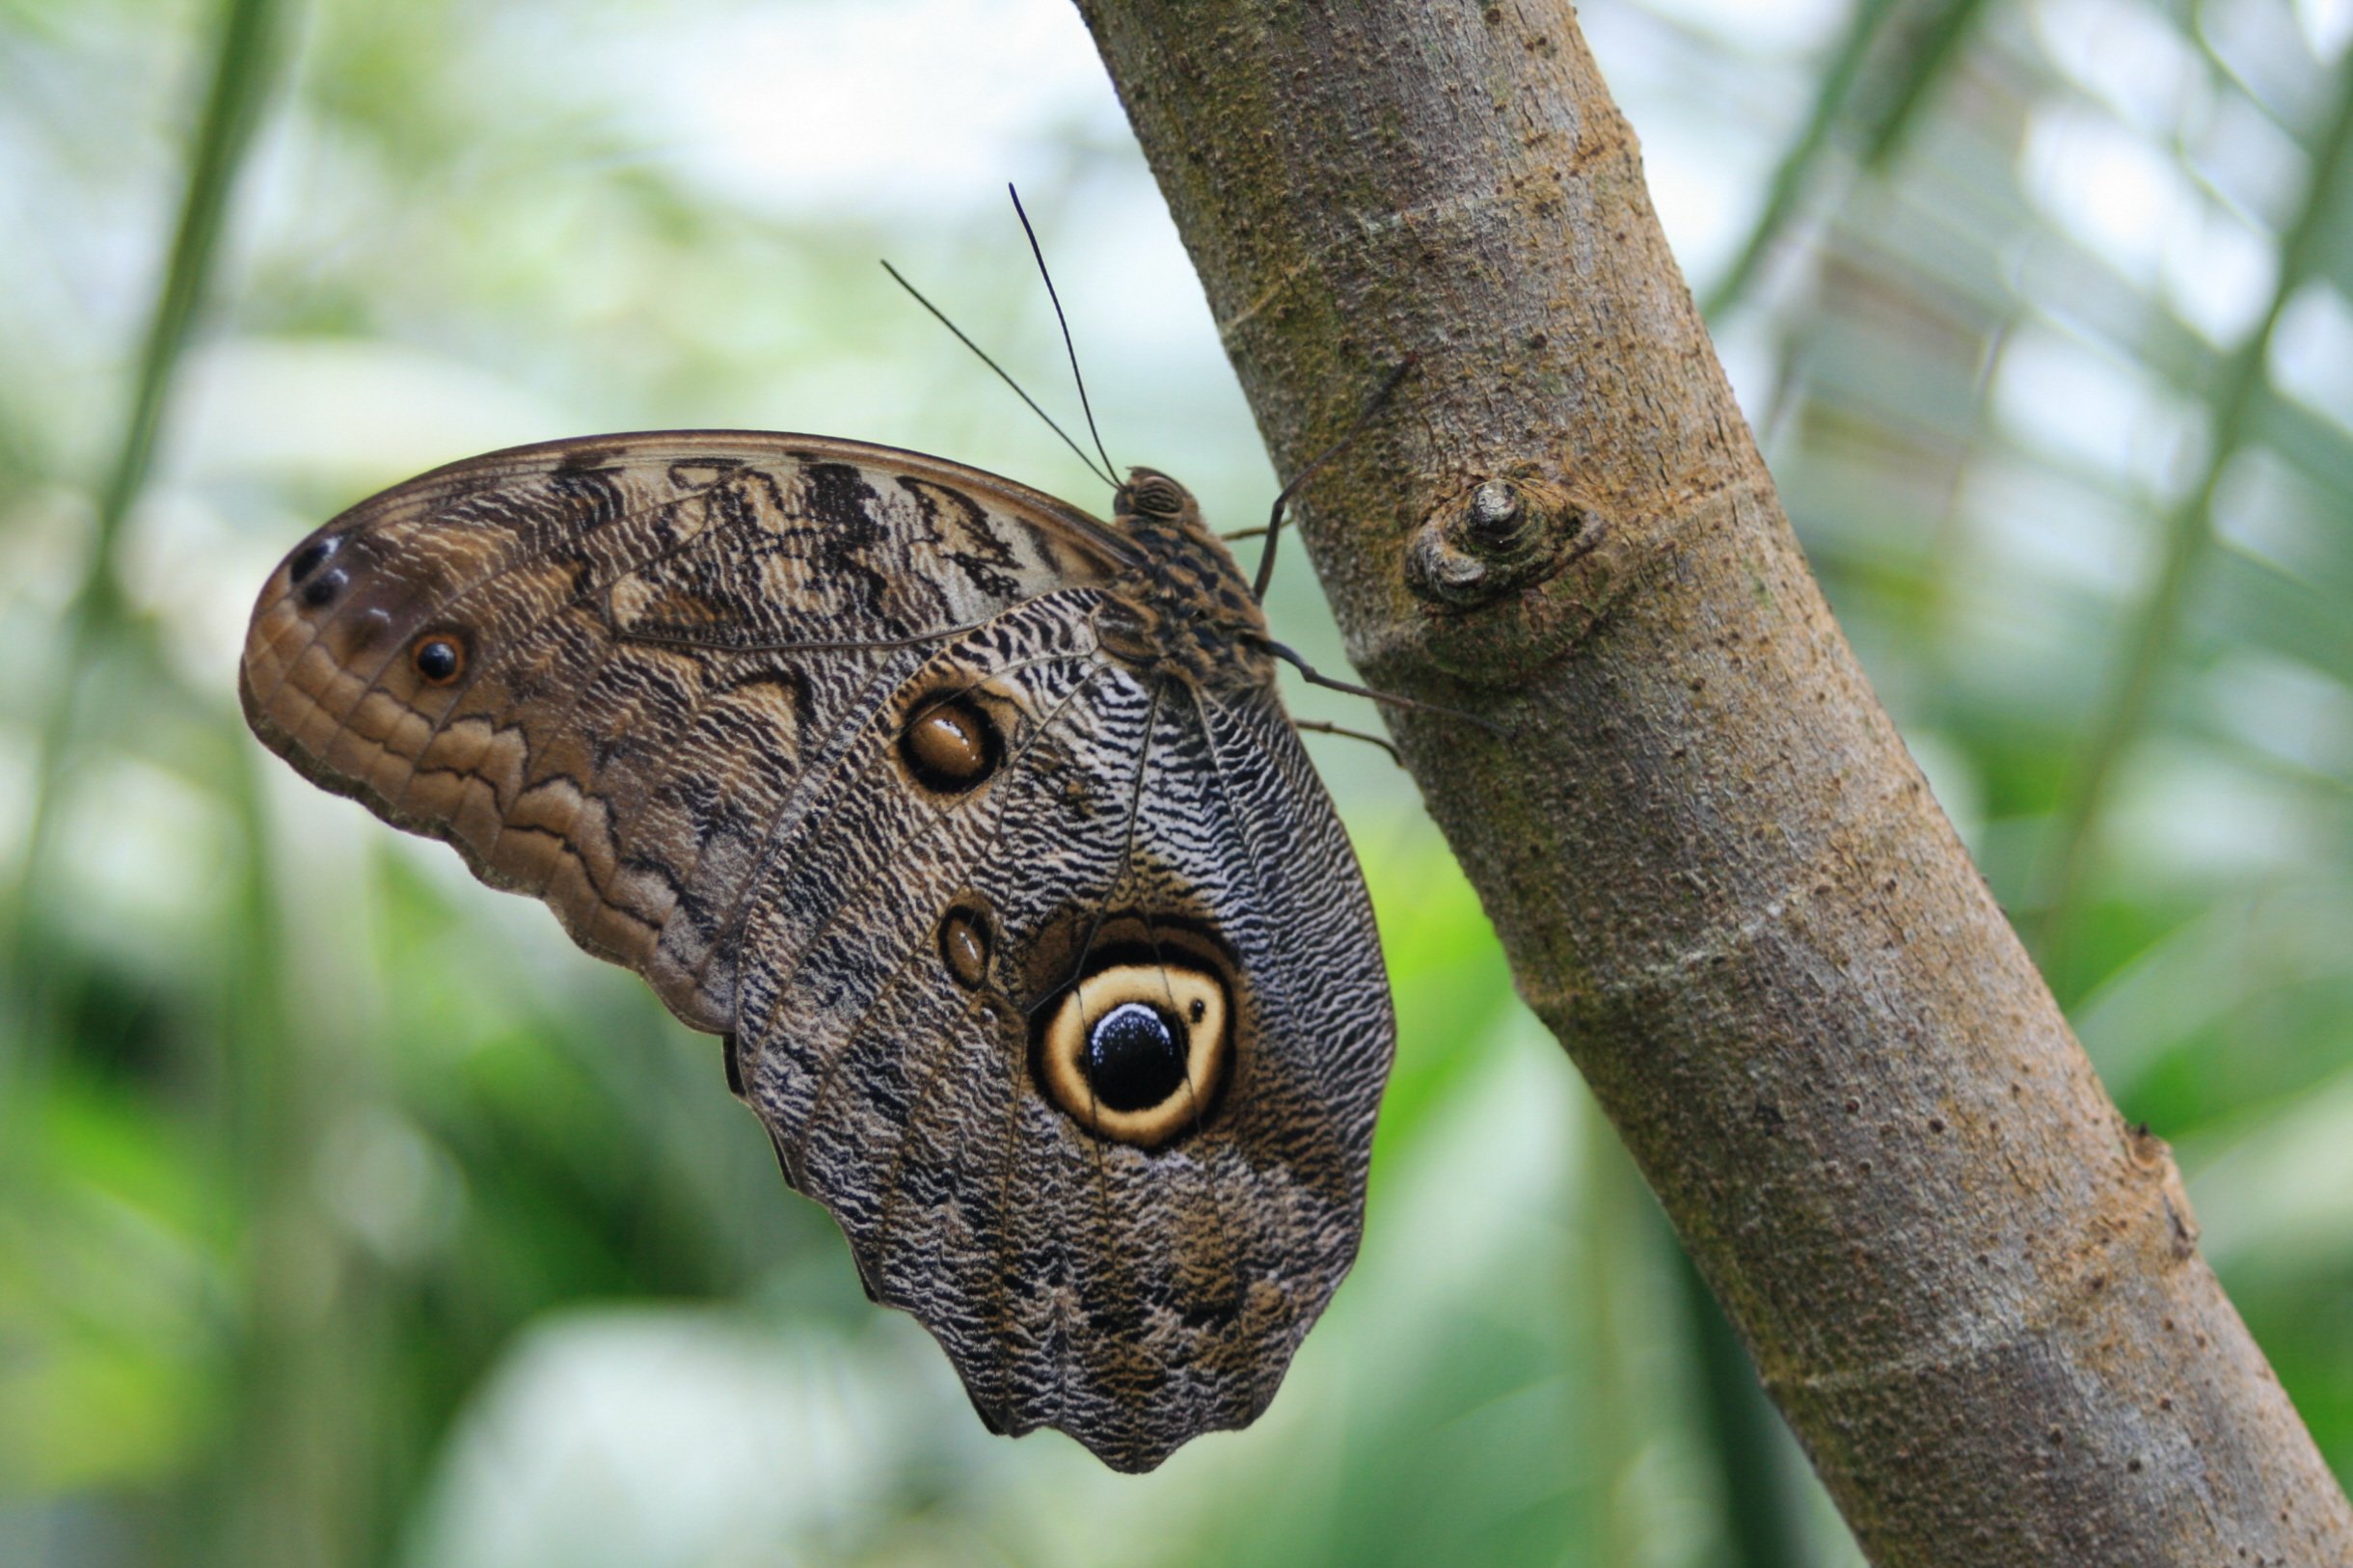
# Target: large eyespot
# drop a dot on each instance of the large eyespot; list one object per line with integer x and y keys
{"x": 439, "y": 657}
{"x": 1154, "y": 494}
{"x": 1138, "y": 1049}
{"x": 952, "y": 745}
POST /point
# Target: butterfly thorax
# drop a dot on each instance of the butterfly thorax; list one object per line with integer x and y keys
{"x": 1184, "y": 610}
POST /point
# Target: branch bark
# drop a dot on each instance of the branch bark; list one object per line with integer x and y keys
{"x": 1972, "y": 1288}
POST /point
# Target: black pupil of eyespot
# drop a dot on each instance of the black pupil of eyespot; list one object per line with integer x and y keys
{"x": 1135, "y": 1058}
{"x": 437, "y": 661}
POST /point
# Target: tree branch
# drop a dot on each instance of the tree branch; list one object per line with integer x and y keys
{"x": 1975, "y": 1292}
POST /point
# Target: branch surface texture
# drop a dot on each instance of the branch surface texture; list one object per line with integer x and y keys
{"x": 1975, "y": 1292}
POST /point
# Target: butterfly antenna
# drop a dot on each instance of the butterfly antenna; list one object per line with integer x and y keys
{"x": 941, "y": 316}
{"x": 1063, "y": 323}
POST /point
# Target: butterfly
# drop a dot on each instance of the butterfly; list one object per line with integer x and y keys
{"x": 973, "y": 825}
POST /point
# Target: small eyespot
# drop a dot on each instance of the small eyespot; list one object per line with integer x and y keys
{"x": 952, "y": 747}
{"x": 963, "y": 946}
{"x": 1138, "y": 1049}
{"x": 311, "y": 557}
{"x": 1155, "y": 495}
{"x": 320, "y": 591}
{"x": 439, "y": 657}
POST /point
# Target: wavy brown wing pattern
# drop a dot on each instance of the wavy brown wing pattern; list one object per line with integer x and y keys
{"x": 1135, "y": 1294}
{"x": 1045, "y": 960}
{"x": 630, "y": 782}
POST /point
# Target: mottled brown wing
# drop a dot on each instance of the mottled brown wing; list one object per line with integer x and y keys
{"x": 612, "y": 671}
{"x": 904, "y": 964}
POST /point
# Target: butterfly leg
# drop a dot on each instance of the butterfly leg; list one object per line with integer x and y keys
{"x": 1318, "y": 726}
{"x": 1316, "y": 677}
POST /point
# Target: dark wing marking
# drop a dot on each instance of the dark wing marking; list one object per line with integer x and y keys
{"x": 1131, "y": 1296}
{"x": 629, "y": 783}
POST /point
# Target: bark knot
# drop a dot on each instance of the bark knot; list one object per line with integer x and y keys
{"x": 1497, "y": 536}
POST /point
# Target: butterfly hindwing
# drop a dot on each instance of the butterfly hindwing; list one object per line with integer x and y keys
{"x": 1132, "y": 1292}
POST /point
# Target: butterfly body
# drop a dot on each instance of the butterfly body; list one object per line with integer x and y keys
{"x": 973, "y": 823}
{"x": 1185, "y": 612}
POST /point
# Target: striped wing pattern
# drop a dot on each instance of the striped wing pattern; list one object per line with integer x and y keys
{"x": 670, "y": 683}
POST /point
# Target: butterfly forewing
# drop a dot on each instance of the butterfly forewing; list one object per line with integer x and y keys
{"x": 627, "y": 726}
{"x": 977, "y": 825}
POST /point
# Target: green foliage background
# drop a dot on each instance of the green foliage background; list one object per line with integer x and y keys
{"x": 349, "y": 1216}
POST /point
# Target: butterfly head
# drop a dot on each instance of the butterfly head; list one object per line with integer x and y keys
{"x": 1151, "y": 494}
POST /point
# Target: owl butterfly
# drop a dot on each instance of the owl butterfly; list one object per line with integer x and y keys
{"x": 974, "y": 825}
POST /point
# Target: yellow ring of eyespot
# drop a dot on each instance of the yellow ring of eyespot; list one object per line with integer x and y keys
{"x": 1192, "y": 997}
